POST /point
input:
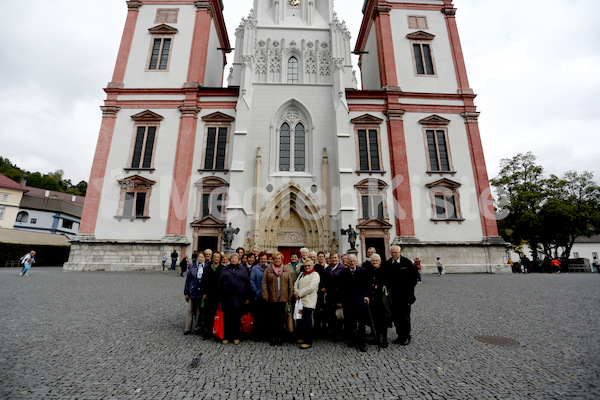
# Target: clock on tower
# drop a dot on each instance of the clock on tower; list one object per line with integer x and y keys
{"x": 294, "y": 3}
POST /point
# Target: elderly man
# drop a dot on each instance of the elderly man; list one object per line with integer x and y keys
{"x": 355, "y": 292}
{"x": 400, "y": 279}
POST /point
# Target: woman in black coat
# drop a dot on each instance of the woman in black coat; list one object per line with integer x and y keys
{"x": 208, "y": 290}
{"x": 233, "y": 294}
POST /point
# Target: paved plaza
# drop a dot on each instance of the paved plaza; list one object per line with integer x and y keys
{"x": 98, "y": 335}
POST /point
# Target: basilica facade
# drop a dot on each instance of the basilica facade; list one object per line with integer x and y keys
{"x": 290, "y": 152}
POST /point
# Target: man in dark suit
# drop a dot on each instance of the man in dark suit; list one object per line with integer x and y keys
{"x": 400, "y": 279}
{"x": 354, "y": 289}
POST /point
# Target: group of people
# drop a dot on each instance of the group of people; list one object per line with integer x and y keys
{"x": 328, "y": 295}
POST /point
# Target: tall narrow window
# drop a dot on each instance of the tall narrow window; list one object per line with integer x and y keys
{"x": 445, "y": 206}
{"x": 160, "y": 53}
{"x": 143, "y": 147}
{"x": 284, "y": 147}
{"x": 292, "y": 70}
{"x": 134, "y": 204}
{"x": 144, "y": 140}
{"x": 299, "y": 148}
{"x": 216, "y": 146}
{"x": 438, "y": 150}
{"x": 372, "y": 206}
{"x": 211, "y": 195}
{"x": 2, "y": 212}
{"x": 423, "y": 59}
{"x": 372, "y": 198}
{"x": 368, "y": 150}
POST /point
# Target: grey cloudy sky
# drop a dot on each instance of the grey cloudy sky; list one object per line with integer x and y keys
{"x": 534, "y": 65}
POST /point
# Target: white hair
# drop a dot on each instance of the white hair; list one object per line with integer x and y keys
{"x": 376, "y": 255}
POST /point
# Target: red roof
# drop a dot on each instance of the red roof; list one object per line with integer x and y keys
{"x": 6, "y": 182}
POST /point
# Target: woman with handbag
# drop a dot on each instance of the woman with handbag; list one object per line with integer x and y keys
{"x": 277, "y": 291}
{"x": 234, "y": 295}
{"x": 306, "y": 290}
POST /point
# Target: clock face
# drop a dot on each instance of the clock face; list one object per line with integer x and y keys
{"x": 294, "y": 3}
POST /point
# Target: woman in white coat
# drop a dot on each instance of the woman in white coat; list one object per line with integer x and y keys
{"x": 305, "y": 289}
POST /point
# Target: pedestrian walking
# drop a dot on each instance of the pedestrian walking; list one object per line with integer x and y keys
{"x": 164, "y": 260}
{"x": 27, "y": 261}
{"x": 183, "y": 265}
{"x": 440, "y": 266}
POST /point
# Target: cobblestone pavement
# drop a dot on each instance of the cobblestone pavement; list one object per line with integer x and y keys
{"x": 98, "y": 335}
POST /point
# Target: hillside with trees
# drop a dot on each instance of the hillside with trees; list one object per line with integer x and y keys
{"x": 50, "y": 181}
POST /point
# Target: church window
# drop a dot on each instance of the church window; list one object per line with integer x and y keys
{"x": 438, "y": 158}
{"x": 159, "y": 60}
{"x": 135, "y": 197}
{"x": 22, "y": 216}
{"x": 372, "y": 199}
{"x": 144, "y": 139}
{"x": 368, "y": 150}
{"x": 143, "y": 147}
{"x": 445, "y": 200}
{"x": 216, "y": 148}
{"x": 292, "y": 70}
{"x": 212, "y": 204}
{"x": 211, "y": 194}
{"x": 423, "y": 59}
{"x": 417, "y": 22}
{"x": 289, "y": 148}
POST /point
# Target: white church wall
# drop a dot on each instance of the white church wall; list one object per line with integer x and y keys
{"x": 214, "y": 65}
{"x": 137, "y": 75}
{"x": 444, "y": 80}
{"x": 119, "y": 158}
{"x": 370, "y": 64}
{"x": 426, "y": 230}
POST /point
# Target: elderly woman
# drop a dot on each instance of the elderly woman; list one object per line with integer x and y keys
{"x": 277, "y": 291}
{"x": 379, "y": 308}
{"x": 208, "y": 290}
{"x": 306, "y": 288}
{"x": 233, "y": 294}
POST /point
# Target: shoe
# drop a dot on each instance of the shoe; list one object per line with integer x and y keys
{"x": 206, "y": 337}
{"x": 405, "y": 342}
{"x": 279, "y": 342}
{"x": 305, "y": 346}
{"x": 273, "y": 342}
{"x": 362, "y": 348}
{"x": 187, "y": 332}
{"x": 20, "y": 274}
{"x": 398, "y": 341}
{"x": 351, "y": 344}
{"x": 236, "y": 341}
{"x": 26, "y": 274}
{"x": 225, "y": 341}
{"x": 385, "y": 345}
{"x": 300, "y": 341}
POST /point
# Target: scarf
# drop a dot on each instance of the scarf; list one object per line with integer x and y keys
{"x": 278, "y": 271}
{"x": 309, "y": 272}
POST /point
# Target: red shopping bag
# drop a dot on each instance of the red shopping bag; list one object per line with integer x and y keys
{"x": 247, "y": 323}
{"x": 218, "y": 327}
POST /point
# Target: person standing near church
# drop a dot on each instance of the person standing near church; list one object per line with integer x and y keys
{"x": 306, "y": 289}
{"x": 208, "y": 289}
{"x": 277, "y": 290}
{"x": 191, "y": 291}
{"x": 400, "y": 279}
{"x": 174, "y": 257}
{"x": 354, "y": 291}
{"x": 234, "y": 295}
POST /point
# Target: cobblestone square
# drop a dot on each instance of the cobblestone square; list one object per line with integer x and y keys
{"x": 103, "y": 335}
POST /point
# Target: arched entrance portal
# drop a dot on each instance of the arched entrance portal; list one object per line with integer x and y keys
{"x": 291, "y": 219}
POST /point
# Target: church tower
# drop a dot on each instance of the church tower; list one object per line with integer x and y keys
{"x": 291, "y": 153}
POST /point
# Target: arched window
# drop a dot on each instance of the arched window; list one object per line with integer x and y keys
{"x": 284, "y": 147}
{"x": 22, "y": 216}
{"x": 292, "y": 70}
{"x": 292, "y": 151}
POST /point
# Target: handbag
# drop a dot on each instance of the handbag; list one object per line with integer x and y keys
{"x": 298, "y": 309}
{"x": 218, "y": 326}
{"x": 386, "y": 301}
{"x": 289, "y": 320}
{"x": 247, "y": 323}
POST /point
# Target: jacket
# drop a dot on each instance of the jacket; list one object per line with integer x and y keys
{"x": 308, "y": 288}
{"x": 332, "y": 273}
{"x": 400, "y": 280}
{"x": 210, "y": 282}
{"x": 354, "y": 288}
{"x": 256, "y": 276}
{"x": 234, "y": 287}
{"x": 269, "y": 286}
{"x": 295, "y": 272}
{"x": 192, "y": 283}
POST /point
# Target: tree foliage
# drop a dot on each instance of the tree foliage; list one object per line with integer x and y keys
{"x": 547, "y": 213}
{"x": 50, "y": 181}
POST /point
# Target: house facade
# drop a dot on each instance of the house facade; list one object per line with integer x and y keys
{"x": 291, "y": 153}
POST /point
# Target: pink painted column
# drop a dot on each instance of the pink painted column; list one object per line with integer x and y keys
{"x": 385, "y": 46}
{"x": 482, "y": 183}
{"x": 182, "y": 172}
{"x": 126, "y": 40}
{"x": 405, "y": 225}
{"x": 199, "y": 53}
{"x": 457, "y": 53}
{"x": 94, "y": 190}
